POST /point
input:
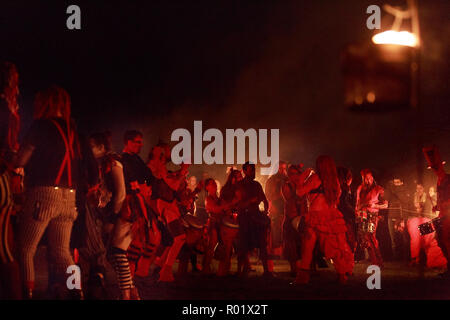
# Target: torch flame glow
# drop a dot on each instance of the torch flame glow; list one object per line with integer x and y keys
{"x": 402, "y": 38}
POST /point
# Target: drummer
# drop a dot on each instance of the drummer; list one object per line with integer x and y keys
{"x": 295, "y": 207}
{"x": 254, "y": 225}
{"x": 230, "y": 227}
{"x": 215, "y": 208}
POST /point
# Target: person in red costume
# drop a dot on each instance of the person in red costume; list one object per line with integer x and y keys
{"x": 164, "y": 195}
{"x": 323, "y": 223}
{"x": 369, "y": 201}
{"x": 443, "y": 202}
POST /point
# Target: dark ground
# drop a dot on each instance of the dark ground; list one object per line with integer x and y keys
{"x": 398, "y": 281}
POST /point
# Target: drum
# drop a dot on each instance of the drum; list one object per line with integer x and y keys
{"x": 194, "y": 229}
{"x": 366, "y": 226}
{"x": 190, "y": 221}
{"x": 367, "y": 222}
{"x": 230, "y": 221}
{"x": 429, "y": 227}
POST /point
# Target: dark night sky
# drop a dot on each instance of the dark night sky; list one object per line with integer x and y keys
{"x": 160, "y": 65}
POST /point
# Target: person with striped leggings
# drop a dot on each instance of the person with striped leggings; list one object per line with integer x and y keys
{"x": 50, "y": 155}
{"x": 133, "y": 220}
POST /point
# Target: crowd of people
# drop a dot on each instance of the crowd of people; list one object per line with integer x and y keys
{"x": 103, "y": 208}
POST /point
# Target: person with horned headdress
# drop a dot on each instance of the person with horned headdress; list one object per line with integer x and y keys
{"x": 369, "y": 201}
{"x": 10, "y": 179}
{"x": 433, "y": 158}
{"x": 323, "y": 223}
{"x": 51, "y": 156}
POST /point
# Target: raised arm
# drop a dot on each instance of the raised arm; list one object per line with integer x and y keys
{"x": 311, "y": 183}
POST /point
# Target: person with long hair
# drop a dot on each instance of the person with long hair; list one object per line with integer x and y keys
{"x": 10, "y": 179}
{"x": 369, "y": 201}
{"x": 323, "y": 222}
{"x": 165, "y": 196}
{"x": 50, "y": 154}
{"x": 347, "y": 205}
{"x": 100, "y": 211}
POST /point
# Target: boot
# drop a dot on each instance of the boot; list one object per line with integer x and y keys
{"x": 342, "y": 278}
{"x": 134, "y": 294}
{"x": 302, "y": 277}
{"x": 125, "y": 294}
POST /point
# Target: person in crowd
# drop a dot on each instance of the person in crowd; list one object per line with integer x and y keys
{"x": 347, "y": 205}
{"x": 276, "y": 207}
{"x": 10, "y": 180}
{"x": 424, "y": 248}
{"x": 294, "y": 211}
{"x": 135, "y": 216}
{"x": 165, "y": 188}
{"x": 216, "y": 209}
{"x": 99, "y": 211}
{"x": 50, "y": 155}
{"x": 399, "y": 198}
{"x": 323, "y": 223}
{"x": 432, "y": 197}
{"x": 420, "y": 199}
{"x": 254, "y": 225}
{"x": 443, "y": 202}
{"x": 194, "y": 227}
{"x": 230, "y": 227}
{"x": 369, "y": 201}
